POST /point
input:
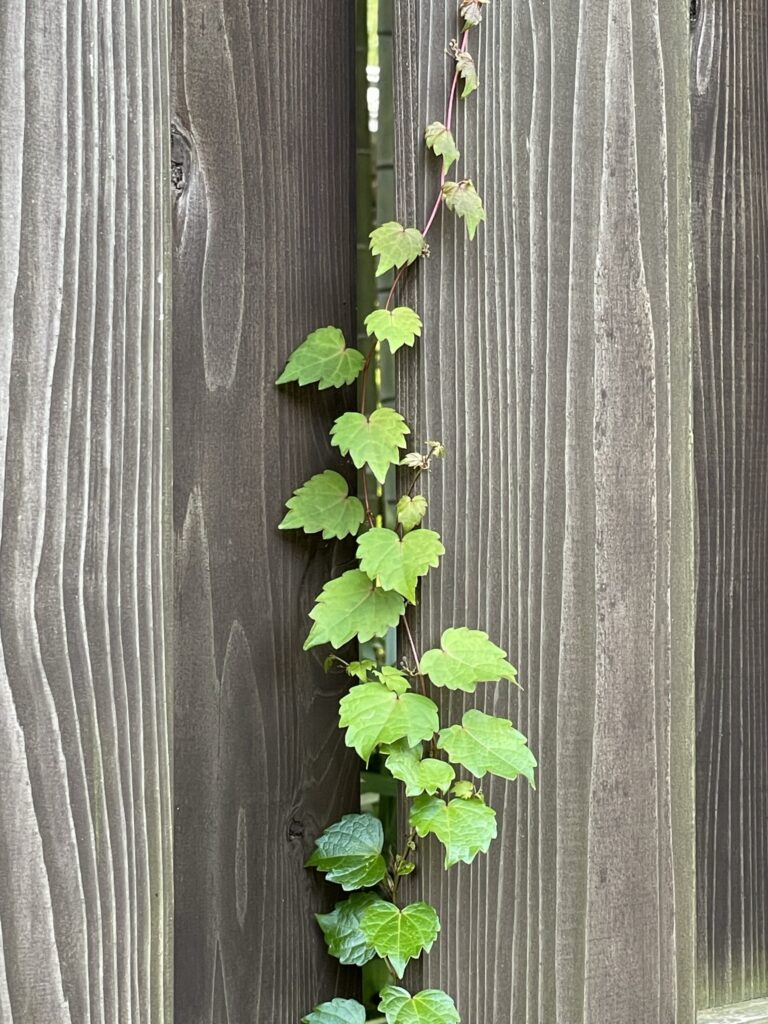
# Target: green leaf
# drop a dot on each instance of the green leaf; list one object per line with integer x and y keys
{"x": 349, "y": 852}
{"x": 360, "y": 669}
{"x": 463, "y": 789}
{"x": 323, "y": 504}
{"x": 411, "y": 511}
{"x": 372, "y": 714}
{"x": 373, "y": 440}
{"x": 472, "y": 12}
{"x": 461, "y": 197}
{"x": 393, "y": 679}
{"x": 430, "y": 1006}
{"x": 396, "y": 246}
{"x": 400, "y": 326}
{"x": 338, "y": 1011}
{"x": 464, "y": 827}
{"x": 400, "y": 935}
{"x": 484, "y": 743}
{"x": 341, "y": 929}
{"x": 427, "y": 775}
{"x": 467, "y": 72}
{"x": 323, "y": 358}
{"x": 396, "y": 563}
{"x": 467, "y": 658}
{"x": 352, "y": 606}
{"x": 442, "y": 143}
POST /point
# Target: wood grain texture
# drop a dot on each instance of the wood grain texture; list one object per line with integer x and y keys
{"x": 730, "y": 222}
{"x": 85, "y": 807}
{"x": 556, "y": 366}
{"x": 264, "y": 253}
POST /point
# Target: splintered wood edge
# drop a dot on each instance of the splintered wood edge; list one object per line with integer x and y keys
{"x": 753, "y": 1012}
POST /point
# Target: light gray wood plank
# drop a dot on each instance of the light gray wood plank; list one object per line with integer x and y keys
{"x": 555, "y": 366}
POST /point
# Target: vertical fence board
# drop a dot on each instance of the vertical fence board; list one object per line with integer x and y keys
{"x": 555, "y": 366}
{"x": 730, "y": 179}
{"x": 85, "y": 813}
{"x": 264, "y": 253}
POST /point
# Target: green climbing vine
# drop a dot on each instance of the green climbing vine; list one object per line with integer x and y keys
{"x": 388, "y": 709}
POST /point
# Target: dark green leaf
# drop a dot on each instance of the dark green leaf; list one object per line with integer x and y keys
{"x": 323, "y": 504}
{"x": 373, "y": 440}
{"x": 400, "y": 935}
{"x": 462, "y": 198}
{"x": 396, "y": 246}
{"x": 341, "y": 929}
{"x": 372, "y": 715}
{"x": 323, "y": 358}
{"x": 396, "y": 563}
{"x": 484, "y": 743}
{"x": 467, "y": 658}
{"x": 352, "y": 606}
{"x": 349, "y": 852}
{"x": 398, "y": 327}
{"x": 464, "y": 827}
{"x": 338, "y": 1011}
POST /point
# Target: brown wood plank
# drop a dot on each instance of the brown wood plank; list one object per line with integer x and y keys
{"x": 85, "y": 810}
{"x": 264, "y": 253}
{"x": 555, "y": 366}
{"x": 730, "y": 218}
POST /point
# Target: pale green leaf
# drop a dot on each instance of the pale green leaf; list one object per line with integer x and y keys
{"x": 463, "y": 789}
{"x": 420, "y": 775}
{"x": 352, "y": 606}
{"x": 400, "y": 935}
{"x": 461, "y": 197}
{"x": 467, "y": 72}
{"x": 484, "y": 743}
{"x": 393, "y": 679}
{"x": 398, "y": 327}
{"x": 338, "y": 1011}
{"x": 395, "y": 246}
{"x": 323, "y": 504}
{"x": 360, "y": 669}
{"x": 464, "y": 827}
{"x": 411, "y": 511}
{"x": 349, "y": 852}
{"x": 396, "y": 563}
{"x": 467, "y": 657}
{"x": 372, "y": 714}
{"x": 472, "y": 12}
{"x": 442, "y": 143}
{"x": 323, "y": 358}
{"x": 373, "y": 440}
{"x": 430, "y": 1006}
{"x": 341, "y": 929}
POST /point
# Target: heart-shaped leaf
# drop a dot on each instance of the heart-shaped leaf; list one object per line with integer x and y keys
{"x": 400, "y": 935}
{"x": 323, "y": 504}
{"x": 395, "y": 246}
{"x": 398, "y": 564}
{"x": 372, "y": 715}
{"x": 467, "y": 657}
{"x": 352, "y": 606}
{"x": 411, "y": 511}
{"x": 431, "y": 1006}
{"x": 349, "y": 852}
{"x": 464, "y": 827}
{"x": 398, "y": 327}
{"x": 374, "y": 440}
{"x": 484, "y": 743}
{"x": 323, "y": 358}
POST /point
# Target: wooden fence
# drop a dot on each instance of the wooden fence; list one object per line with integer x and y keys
{"x": 177, "y": 210}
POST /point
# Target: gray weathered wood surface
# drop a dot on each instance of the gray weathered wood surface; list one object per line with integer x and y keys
{"x": 85, "y": 809}
{"x": 555, "y": 366}
{"x": 730, "y": 221}
{"x": 264, "y": 253}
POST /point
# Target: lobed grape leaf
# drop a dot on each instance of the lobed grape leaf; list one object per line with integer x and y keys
{"x": 472, "y": 12}
{"x": 461, "y": 197}
{"x": 398, "y": 327}
{"x": 467, "y": 657}
{"x": 411, "y": 511}
{"x": 349, "y": 852}
{"x": 440, "y": 140}
{"x": 398, "y": 564}
{"x": 341, "y": 929}
{"x": 338, "y": 1011}
{"x": 352, "y": 606}
{"x": 395, "y": 246}
{"x": 393, "y": 679}
{"x": 464, "y": 827}
{"x": 374, "y": 440}
{"x": 372, "y": 715}
{"x": 467, "y": 72}
{"x": 323, "y": 359}
{"x": 400, "y": 935}
{"x": 430, "y": 1006}
{"x": 420, "y": 775}
{"x": 324, "y": 504}
{"x": 484, "y": 743}
{"x": 360, "y": 669}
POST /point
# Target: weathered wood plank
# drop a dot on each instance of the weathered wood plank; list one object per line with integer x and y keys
{"x": 85, "y": 813}
{"x": 555, "y": 367}
{"x": 730, "y": 179}
{"x": 265, "y": 247}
